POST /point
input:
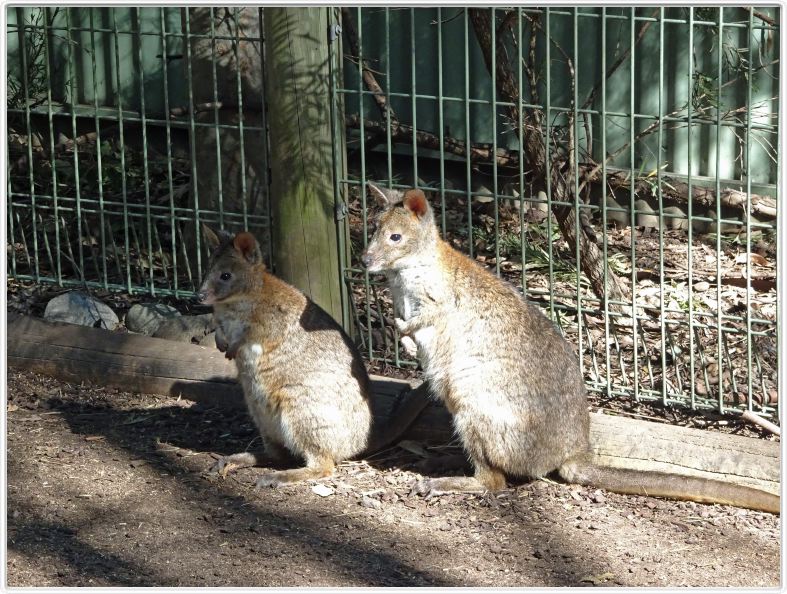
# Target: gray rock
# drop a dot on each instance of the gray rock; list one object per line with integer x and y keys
{"x": 186, "y": 328}
{"x": 80, "y": 308}
{"x": 145, "y": 318}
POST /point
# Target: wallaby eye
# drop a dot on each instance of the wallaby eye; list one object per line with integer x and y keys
{"x": 395, "y": 237}
{"x": 225, "y": 276}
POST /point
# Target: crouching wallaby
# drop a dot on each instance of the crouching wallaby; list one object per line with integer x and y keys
{"x": 511, "y": 382}
{"x": 303, "y": 380}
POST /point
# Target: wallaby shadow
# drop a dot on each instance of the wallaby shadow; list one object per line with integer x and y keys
{"x": 211, "y": 429}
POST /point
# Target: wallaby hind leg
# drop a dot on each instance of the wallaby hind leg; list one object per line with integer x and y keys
{"x": 273, "y": 453}
{"x": 485, "y": 479}
{"x": 317, "y": 466}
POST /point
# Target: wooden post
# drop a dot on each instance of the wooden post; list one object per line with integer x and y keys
{"x": 305, "y": 237}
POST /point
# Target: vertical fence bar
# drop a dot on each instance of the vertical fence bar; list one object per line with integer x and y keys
{"x": 604, "y": 234}
{"x": 494, "y": 142}
{"x": 689, "y": 251}
{"x": 413, "y": 93}
{"x": 73, "y": 100}
{"x": 20, "y": 16}
{"x": 241, "y": 135}
{"x": 192, "y": 141}
{"x": 575, "y": 182}
{"x": 168, "y": 149}
{"x": 780, "y": 216}
{"x": 99, "y": 164}
{"x": 468, "y": 174}
{"x": 440, "y": 115}
{"x": 123, "y": 181}
{"x": 388, "y": 141}
{"x": 216, "y": 120}
{"x": 145, "y": 168}
{"x": 660, "y": 196}
{"x": 521, "y": 166}
{"x": 632, "y": 203}
{"x": 364, "y": 206}
{"x": 264, "y": 111}
{"x": 719, "y": 83}
{"x": 747, "y": 214}
{"x": 50, "y": 119}
{"x": 548, "y": 159}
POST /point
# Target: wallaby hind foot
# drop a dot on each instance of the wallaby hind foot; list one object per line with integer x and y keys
{"x": 485, "y": 479}
{"x": 316, "y": 467}
{"x": 273, "y": 454}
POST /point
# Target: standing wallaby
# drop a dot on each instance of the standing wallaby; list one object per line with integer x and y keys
{"x": 511, "y": 382}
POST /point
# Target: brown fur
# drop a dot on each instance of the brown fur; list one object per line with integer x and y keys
{"x": 510, "y": 380}
{"x": 303, "y": 380}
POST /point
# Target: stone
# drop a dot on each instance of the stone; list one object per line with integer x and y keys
{"x": 185, "y": 328}
{"x": 145, "y": 318}
{"x": 76, "y": 307}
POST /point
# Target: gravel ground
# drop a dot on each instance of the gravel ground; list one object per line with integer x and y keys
{"x": 107, "y": 488}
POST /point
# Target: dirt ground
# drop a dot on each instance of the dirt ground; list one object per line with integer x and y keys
{"x": 107, "y": 488}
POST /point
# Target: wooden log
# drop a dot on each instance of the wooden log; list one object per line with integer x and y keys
{"x": 152, "y": 365}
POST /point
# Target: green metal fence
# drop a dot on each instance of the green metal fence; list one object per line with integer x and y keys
{"x": 664, "y": 121}
{"x": 112, "y": 113}
{"x": 658, "y": 130}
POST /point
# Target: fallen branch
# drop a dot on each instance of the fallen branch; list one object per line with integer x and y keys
{"x": 678, "y": 191}
{"x": 403, "y": 133}
{"x": 764, "y": 423}
{"x": 482, "y": 154}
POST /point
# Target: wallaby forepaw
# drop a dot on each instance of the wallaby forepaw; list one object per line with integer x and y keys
{"x": 402, "y": 326}
{"x": 409, "y": 346}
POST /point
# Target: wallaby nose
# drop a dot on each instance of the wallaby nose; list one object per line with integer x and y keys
{"x": 201, "y": 296}
{"x": 366, "y": 259}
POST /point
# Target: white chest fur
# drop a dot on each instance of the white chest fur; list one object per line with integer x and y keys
{"x": 410, "y": 289}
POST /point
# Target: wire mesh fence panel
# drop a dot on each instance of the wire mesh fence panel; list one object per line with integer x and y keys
{"x": 617, "y": 164}
{"x": 127, "y": 129}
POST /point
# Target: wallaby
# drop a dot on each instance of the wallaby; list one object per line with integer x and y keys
{"x": 509, "y": 379}
{"x": 303, "y": 380}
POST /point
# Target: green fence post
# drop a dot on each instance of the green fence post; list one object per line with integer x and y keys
{"x": 302, "y": 197}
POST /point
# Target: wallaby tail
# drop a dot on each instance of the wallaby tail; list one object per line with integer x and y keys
{"x": 672, "y": 486}
{"x": 399, "y": 420}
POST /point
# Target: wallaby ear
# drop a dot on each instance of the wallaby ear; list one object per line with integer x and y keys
{"x": 416, "y": 203}
{"x": 210, "y": 237}
{"x": 248, "y": 247}
{"x": 385, "y": 197}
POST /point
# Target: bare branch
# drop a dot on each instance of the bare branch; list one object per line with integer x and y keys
{"x": 763, "y": 17}
{"x": 367, "y": 74}
{"x": 623, "y": 57}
